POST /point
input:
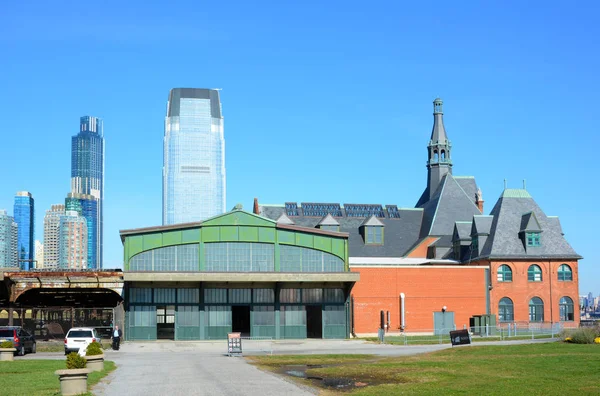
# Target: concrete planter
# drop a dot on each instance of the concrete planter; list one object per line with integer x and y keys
{"x": 73, "y": 381}
{"x": 95, "y": 362}
{"x": 7, "y": 354}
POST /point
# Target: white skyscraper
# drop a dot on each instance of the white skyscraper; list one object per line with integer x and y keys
{"x": 51, "y": 235}
{"x": 194, "y": 156}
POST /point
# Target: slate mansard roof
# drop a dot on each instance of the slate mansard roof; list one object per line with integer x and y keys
{"x": 400, "y": 233}
{"x": 515, "y": 214}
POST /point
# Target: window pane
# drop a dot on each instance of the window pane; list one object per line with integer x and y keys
{"x": 215, "y": 296}
{"x": 191, "y": 296}
{"x": 289, "y": 296}
{"x": 164, "y": 296}
{"x": 240, "y": 296}
{"x": 140, "y": 295}
{"x": 264, "y": 295}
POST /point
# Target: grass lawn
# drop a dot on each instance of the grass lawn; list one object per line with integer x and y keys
{"x": 535, "y": 369}
{"x": 36, "y": 377}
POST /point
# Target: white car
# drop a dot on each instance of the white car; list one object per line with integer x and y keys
{"x": 80, "y": 337}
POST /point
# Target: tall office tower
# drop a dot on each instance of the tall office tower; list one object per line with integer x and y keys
{"x": 87, "y": 172}
{"x": 51, "y": 235}
{"x": 87, "y": 206}
{"x": 25, "y": 218}
{"x": 39, "y": 254}
{"x": 194, "y": 156}
{"x": 8, "y": 241}
{"x": 72, "y": 241}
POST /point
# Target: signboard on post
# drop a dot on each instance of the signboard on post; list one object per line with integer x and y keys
{"x": 234, "y": 344}
{"x": 460, "y": 337}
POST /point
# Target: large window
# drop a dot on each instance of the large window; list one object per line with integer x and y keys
{"x": 504, "y": 273}
{"x": 301, "y": 259}
{"x": 167, "y": 259}
{"x": 506, "y": 310}
{"x": 565, "y": 273}
{"x": 239, "y": 257}
{"x": 534, "y": 273}
{"x": 567, "y": 312}
{"x": 536, "y": 310}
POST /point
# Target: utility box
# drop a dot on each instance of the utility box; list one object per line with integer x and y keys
{"x": 475, "y": 324}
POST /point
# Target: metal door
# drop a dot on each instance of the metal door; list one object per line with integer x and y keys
{"x": 443, "y": 322}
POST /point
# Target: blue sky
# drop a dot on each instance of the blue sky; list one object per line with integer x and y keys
{"x": 323, "y": 101}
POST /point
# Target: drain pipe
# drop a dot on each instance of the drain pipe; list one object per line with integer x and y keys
{"x": 402, "y": 322}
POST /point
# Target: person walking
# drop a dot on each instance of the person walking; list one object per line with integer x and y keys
{"x": 116, "y": 338}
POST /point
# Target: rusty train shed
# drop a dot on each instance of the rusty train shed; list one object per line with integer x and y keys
{"x": 81, "y": 289}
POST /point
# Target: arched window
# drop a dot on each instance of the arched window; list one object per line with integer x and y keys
{"x": 534, "y": 273}
{"x": 443, "y": 155}
{"x": 504, "y": 273}
{"x": 506, "y": 310}
{"x": 565, "y": 273}
{"x": 435, "y": 155}
{"x": 536, "y": 310}
{"x": 567, "y": 312}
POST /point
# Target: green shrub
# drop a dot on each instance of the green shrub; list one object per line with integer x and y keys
{"x": 584, "y": 335}
{"x": 95, "y": 348}
{"x": 6, "y": 344}
{"x": 74, "y": 361}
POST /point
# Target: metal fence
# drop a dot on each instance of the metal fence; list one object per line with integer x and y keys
{"x": 54, "y": 323}
{"x": 503, "y": 332}
{"x": 257, "y": 345}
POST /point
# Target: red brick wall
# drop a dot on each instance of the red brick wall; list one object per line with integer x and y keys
{"x": 420, "y": 250}
{"x": 427, "y": 289}
{"x": 520, "y": 290}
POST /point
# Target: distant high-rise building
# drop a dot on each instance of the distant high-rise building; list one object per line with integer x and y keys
{"x": 51, "y": 235}
{"x": 87, "y": 206}
{"x": 39, "y": 254}
{"x": 87, "y": 174}
{"x": 25, "y": 219}
{"x": 8, "y": 241}
{"x": 194, "y": 156}
{"x": 72, "y": 251}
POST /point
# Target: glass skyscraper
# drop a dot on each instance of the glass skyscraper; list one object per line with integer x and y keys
{"x": 194, "y": 156}
{"x": 87, "y": 175}
{"x": 24, "y": 217}
{"x": 86, "y": 206}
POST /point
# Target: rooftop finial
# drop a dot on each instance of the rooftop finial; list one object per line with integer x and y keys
{"x": 505, "y": 184}
{"x": 524, "y": 184}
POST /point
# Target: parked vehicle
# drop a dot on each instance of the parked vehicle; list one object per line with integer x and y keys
{"x": 22, "y": 340}
{"x": 80, "y": 337}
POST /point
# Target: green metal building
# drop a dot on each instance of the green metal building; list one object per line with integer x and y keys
{"x": 237, "y": 272}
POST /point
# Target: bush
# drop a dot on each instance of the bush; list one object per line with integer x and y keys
{"x": 74, "y": 361}
{"x": 584, "y": 335}
{"x": 95, "y": 348}
{"x": 6, "y": 344}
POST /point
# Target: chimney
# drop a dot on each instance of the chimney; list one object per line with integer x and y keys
{"x": 255, "y": 208}
{"x": 479, "y": 200}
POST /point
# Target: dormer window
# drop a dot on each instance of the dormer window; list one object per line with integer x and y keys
{"x": 475, "y": 243}
{"x": 374, "y": 235}
{"x": 533, "y": 239}
{"x": 328, "y": 223}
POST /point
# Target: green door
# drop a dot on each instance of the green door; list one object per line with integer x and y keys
{"x": 187, "y": 323}
{"x": 218, "y": 322}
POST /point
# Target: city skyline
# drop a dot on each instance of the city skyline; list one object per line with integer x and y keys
{"x": 314, "y": 112}
{"x": 194, "y": 180}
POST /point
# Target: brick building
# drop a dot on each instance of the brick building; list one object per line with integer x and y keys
{"x": 438, "y": 264}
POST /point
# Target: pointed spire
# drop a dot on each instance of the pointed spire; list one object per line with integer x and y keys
{"x": 438, "y": 134}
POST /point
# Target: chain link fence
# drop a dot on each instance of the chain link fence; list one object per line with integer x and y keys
{"x": 503, "y": 332}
